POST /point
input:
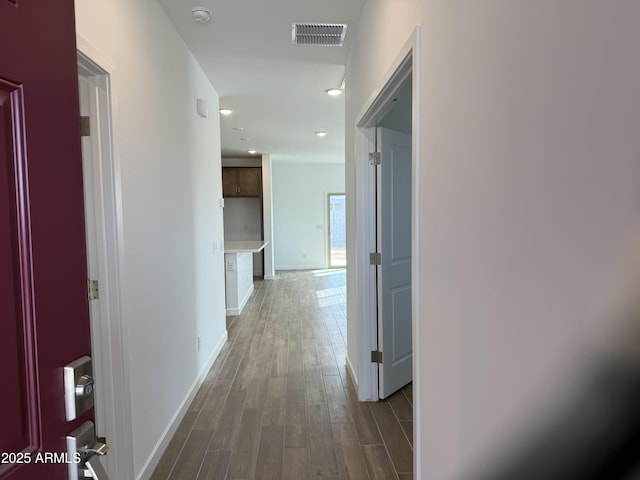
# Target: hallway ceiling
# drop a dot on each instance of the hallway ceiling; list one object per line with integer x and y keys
{"x": 277, "y": 90}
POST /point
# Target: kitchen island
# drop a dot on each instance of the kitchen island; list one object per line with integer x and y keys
{"x": 238, "y": 265}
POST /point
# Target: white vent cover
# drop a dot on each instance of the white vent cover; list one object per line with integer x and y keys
{"x": 318, "y": 34}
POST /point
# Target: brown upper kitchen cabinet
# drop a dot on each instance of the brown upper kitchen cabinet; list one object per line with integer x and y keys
{"x": 241, "y": 182}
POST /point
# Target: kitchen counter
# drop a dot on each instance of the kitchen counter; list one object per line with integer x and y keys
{"x": 238, "y": 260}
{"x": 249, "y": 246}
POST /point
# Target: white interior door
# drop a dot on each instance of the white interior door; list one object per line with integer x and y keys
{"x": 394, "y": 271}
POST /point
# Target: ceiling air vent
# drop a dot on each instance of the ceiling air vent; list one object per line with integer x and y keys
{"x": 318, "y": 34}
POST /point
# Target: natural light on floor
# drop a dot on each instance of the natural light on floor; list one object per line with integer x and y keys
{"x": 329, "y": 271}
{"x": 331, "y": 295}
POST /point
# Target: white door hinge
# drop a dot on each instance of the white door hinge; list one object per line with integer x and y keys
{"x": 375, "y": 158}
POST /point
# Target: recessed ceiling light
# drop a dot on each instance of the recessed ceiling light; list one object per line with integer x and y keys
{"x": 334, "y": 92}
{"x": 201, "y": 14}
{"x": 238, "y": 129}
{"x": 321, "y": 134}
{"x": 245, "y": 139}
{"x": 226, "y": 111}
{"x": 252, "y": 152}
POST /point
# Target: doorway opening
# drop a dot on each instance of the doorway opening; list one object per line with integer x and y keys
{"x": 337, "y": 230}
{"x": 400, "y": 85}
{"x": 386, "y": 156}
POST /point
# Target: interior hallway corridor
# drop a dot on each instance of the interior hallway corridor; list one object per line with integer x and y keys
{"x": 278, "y": 404}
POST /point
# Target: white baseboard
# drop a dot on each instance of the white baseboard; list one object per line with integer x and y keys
{"x": 352, "y": 373}
{"x": 245, "y": 299}
{"x": 169, "y": 432}
{"x": 269, "y": 277}
{"x": 236, "y": 311}
{"x": 301, "y": 267}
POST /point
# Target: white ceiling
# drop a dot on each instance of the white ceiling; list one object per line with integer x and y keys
{"x": 275, "y": 89}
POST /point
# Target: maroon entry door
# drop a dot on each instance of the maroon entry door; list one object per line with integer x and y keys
{"x": 44, "y": 319}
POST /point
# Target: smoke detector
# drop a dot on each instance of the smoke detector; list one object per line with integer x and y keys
{"x": 318, "y": 34}
{"x": 201, "y": 14}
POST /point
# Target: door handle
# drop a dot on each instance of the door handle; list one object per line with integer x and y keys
{"x": 85, "y": 449}
{"x": 96, "y": 469}
{"x": 98, "y": 449}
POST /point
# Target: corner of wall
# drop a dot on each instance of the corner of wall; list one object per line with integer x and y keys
{"x": 267, "y": 215}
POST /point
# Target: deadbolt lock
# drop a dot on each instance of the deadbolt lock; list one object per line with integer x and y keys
{"x": 79, "y": 387}
{"x": 84, "y": 387}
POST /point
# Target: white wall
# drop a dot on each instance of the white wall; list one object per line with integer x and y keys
{"x": 169, "y": 181}
{"x": 529, "y": 187}
{"x": 243, "y": 221}
{"x": 300, "y": 213}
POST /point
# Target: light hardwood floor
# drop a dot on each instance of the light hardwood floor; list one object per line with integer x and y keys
{"x": 278, "y": 402}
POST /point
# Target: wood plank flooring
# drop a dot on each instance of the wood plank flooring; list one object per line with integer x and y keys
{"x": 278, "y": 403}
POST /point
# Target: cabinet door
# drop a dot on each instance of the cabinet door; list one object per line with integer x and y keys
{"x": 229, "y": 182}
{"x": 249, "y": 182}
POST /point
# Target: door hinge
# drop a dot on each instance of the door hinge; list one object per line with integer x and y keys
{"x": 94, "y": 292}
{"x": 375, "y": 258}
{"x": 375, "y": 158}
{"x": 376, "y": 356}
{"x": 85, "y": 126}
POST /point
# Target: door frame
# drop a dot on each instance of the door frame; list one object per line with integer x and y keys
{"x": 405, "y": 67}
{"x": 329, "y": 195}
{"x": 108, "y": 332}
